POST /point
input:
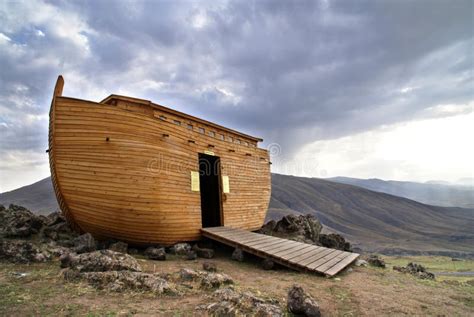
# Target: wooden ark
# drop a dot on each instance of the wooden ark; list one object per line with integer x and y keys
{"x": 129, "y": 169}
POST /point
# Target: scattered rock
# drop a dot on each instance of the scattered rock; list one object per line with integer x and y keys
{"x": 300, "y": 303}
{"x": 84, "y": 243}
{"x": 335, "y": 241}
{"x": 376, "y": 261}
{"x": 100, "y": 261}
{"x": 215, "y": 280}
{"x": 360, "y": 262}
{"x": 207, "y": 280}
{"x": 205, "y": 253}
{"x": 229, "y": 302}
{"x": 155, "y": 253}
{"x": 209, "y": 266}
{"x": 188, "y": 274}
{"x": 119, "y": 281}
{"x": 191, "y": 255}
{"x": 415, "y": 269}
{"x": 19, "y": 251}
{"x": 180, "y": 248}
{"x": 456, "y": 259}
{"x": 119, "y": 247}
{"x": 19, "y": 222}
{"x": 268, "y": 264}
{"x": 238, "y": 255}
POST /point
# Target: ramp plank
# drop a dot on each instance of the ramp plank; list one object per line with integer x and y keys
{"x": 292, "y": 254}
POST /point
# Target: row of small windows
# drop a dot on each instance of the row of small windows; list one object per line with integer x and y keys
{"x": 211, "y": 133}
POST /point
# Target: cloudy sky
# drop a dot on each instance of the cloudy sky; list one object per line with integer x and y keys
{"x": 354, "y": 88}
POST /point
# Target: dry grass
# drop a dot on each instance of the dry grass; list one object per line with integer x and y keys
{"x": 363, "y": 292}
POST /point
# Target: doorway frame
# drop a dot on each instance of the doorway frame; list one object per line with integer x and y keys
{"x": 219, "y": 185}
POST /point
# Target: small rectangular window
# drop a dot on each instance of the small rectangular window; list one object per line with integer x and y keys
{"x": 212, "y": 133}
{"x": 190, "y": 126}
{"x": 237, "y": 141}
{"x": 230, "y": 139}
{"x": 201, "y": 130}
{"x": 252, "y": 144}
{"x": 177, "y": 122}
{"x": 162, "y": 117}
{"x": 221, "y": 136}
{"x": 246, "y": 143}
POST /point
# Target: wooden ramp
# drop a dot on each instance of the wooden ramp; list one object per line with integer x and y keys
{"x": 295, "y": 255}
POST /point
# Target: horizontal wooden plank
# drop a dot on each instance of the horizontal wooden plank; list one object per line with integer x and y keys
{"x": 293, "y": 254}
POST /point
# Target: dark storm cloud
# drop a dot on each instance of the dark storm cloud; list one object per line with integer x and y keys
{"x": 291, "y": 72}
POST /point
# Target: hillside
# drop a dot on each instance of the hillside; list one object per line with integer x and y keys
{"x": 370, "y": 220}
{"x": 432, "y": 193}
{"x": 38, "y": 197}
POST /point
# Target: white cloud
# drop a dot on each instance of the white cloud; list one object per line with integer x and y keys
{"x": 419, "y": 151}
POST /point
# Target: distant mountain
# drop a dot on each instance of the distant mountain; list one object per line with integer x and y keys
{"x": 371, "y": 220}
{"x": 38, "y": 197}
{"x": 433, "y": 192}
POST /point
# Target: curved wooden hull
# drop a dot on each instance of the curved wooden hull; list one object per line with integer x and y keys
{"x": 121, "y": 172}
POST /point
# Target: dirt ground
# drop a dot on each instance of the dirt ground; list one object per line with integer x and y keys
{"x": 362, "y": 292}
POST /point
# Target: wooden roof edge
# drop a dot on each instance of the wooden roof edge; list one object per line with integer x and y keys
{"x": 178, "y": 113}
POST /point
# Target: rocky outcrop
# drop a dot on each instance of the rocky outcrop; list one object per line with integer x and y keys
{"x": 335, "y": 241}
{"x": 307, "y": 229}
{"x": 84, "y": 243}
{"x": 100, "y": 261}
{"x": 19, "y": 222}
{"x": 19, "y": 251}
{"x": 229, "y": 302}
{"x": 304, "y": 228}
{"x": 415, "y": 269}
{"x": 119, "y": 281}
{"x": 207, "y": 280}
{"x": 301, "y": 303}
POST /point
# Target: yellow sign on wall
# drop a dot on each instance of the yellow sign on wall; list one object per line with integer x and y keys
{"x": 194, "y": 181}
{"x": 209, "y": 152}
{"x": 225, "y": 184}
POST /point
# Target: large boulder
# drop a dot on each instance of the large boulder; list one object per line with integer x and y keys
{"x": 84, "y": 243}
{"x": 334, "y": 241}
{"x": 417, "y": 270}
{"x": 19, "y": 251}
{"x": 229, "y": 302}
{"x": 100, "y": 261}
{"x": 304, "y": 228}
{"x": 19, "y": 222}
{"x": 300, "y": 303}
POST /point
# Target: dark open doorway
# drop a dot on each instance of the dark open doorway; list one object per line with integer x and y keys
{"x": 209, "y": 175}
